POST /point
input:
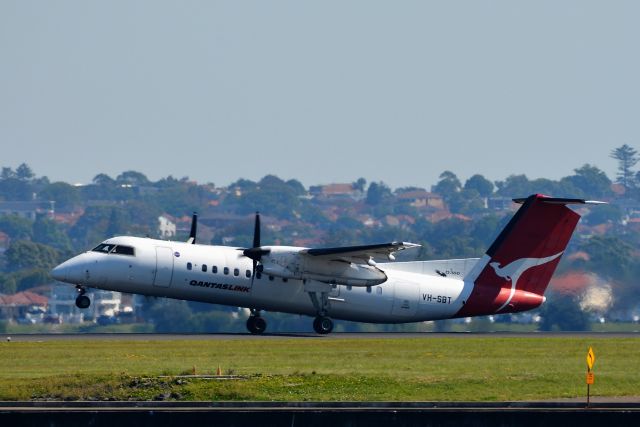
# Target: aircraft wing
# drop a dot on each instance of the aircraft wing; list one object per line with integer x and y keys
{"x": 360, "y": 254}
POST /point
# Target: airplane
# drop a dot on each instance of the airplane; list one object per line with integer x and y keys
{"x": 348, "y": 283}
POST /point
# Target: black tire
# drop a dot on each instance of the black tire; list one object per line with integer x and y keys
{"x": 256, "y": 325}
{"x": 323, "y": 325}
{"x": 83, "y": 302}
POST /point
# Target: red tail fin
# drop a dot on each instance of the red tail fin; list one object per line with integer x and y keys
{"x": 516, "y": 269}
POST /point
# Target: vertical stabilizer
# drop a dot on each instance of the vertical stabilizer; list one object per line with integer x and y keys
{"x": 515, "y": 271}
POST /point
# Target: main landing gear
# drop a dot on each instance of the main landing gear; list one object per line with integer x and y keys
{"x": 82, "y": 301}
{"x": 256, "y": 323}
{"x": 322, "y": 324}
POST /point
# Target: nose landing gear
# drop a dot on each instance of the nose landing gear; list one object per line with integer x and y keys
{"x": 82, "y": 301}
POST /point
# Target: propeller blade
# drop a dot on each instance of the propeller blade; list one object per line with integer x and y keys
{"x": 255, "y": 252}
{"x": 194, "y": 228}
{"x": 256, "y": 231}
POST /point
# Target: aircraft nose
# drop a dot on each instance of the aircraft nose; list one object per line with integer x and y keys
{"x": 70, "y": 271}
{"x": 60, "y": 272}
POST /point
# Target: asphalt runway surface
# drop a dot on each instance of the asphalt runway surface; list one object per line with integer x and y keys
{"x": 306, "y": 336}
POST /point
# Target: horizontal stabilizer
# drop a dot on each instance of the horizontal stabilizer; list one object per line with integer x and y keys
{"x": 561, "y": 201}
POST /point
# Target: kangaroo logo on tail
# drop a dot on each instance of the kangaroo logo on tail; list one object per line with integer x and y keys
{"x": 515, "y": 269}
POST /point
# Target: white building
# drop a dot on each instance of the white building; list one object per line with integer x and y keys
{"x": 166, "y": 227}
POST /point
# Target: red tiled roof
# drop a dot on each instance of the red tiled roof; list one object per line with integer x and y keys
{"x": 23, "y": 298}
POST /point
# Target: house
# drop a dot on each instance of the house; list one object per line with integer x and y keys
{"x": 166, "y": 226}
{"x": 28, "y": 209}
{"x": 500, "y": 203}
{"x": 23, "y": 306}
{"x": 421, "y": 199}
{"x": 336, "y": 192}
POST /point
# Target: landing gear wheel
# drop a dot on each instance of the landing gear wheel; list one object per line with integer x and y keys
{"x": 323, "y": 325}
{"x": 83, "y": 302}
{"x": 256, "y": 325}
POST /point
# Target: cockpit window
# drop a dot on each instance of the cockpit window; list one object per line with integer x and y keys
{"x": 110, "y": 248}
{"x": 104, "y": 248}
{"x": 123, "y": 250}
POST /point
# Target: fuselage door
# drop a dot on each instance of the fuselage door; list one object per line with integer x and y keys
{"x": 405, "y": 301}
{"x": 164, "y": 267}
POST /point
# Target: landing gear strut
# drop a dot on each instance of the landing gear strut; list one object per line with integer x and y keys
{"x": 82, "y": 301}
{"x": 256, "y": 323}
{"x": 322, "y": 324}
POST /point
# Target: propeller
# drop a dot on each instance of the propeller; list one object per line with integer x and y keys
{"x": 194, "y": 228}
{"x": 256, "y": 251}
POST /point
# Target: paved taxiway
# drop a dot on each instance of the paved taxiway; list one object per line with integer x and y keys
{"x": 333, "y": 336}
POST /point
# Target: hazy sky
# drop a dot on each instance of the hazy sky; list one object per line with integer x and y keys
{"x": 319, "y": 91}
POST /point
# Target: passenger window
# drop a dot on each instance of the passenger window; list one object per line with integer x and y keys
{"x": 189, "y": 266}
{"x": 247, "y": 273}
{"x": 214, "y": 269}
{"x": 236, "y": 272}
{"x": 204, "y": 268}
{"x": 226, "y": 270}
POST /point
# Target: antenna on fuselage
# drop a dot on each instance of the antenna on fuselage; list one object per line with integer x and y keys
{"x": 194, "y": 229}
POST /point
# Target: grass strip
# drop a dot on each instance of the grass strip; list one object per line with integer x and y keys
{"x": 412, "y": 369}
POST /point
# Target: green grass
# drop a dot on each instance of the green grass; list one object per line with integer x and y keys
{"x": 432, "y": 368}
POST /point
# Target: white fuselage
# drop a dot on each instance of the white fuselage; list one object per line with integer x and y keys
{"x": 222, "y": 275}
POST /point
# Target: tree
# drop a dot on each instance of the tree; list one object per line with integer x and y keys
{"x": 563, "y": 313}
{"x": 377, "y": 193}
{"x": 66, "y": 196}
{"x": 103, "y": 179}
{"x": 132, "y": 178}
{"x": 118, "y": 223}
{"x": 24, "y": 173}
{"x": 23, "y": 254}
{"x": 7, "y": 173}
{"x": 16, "y": 227}
{"x": 627, "y": 158}
{"x": 297, "y": 187}
{"x": 590, "y": 181}
{"x": 360, "y": 184}
{"x": 604, "y": 214}
{"x": 91, "y": 227}
{"x": 50, "y": 233}
{"x": 514, "y": 186}
{"x": 610, "y": 257}
{"x": 482, "y": 185}
{"x": 448, "y": 184}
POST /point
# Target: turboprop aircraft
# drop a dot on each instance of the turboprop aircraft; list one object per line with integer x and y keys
{"x": 348, "y": 283}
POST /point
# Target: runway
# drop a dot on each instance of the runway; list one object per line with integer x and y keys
{"x": 313, "y": 414}
{"x": 304, "y": 336}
